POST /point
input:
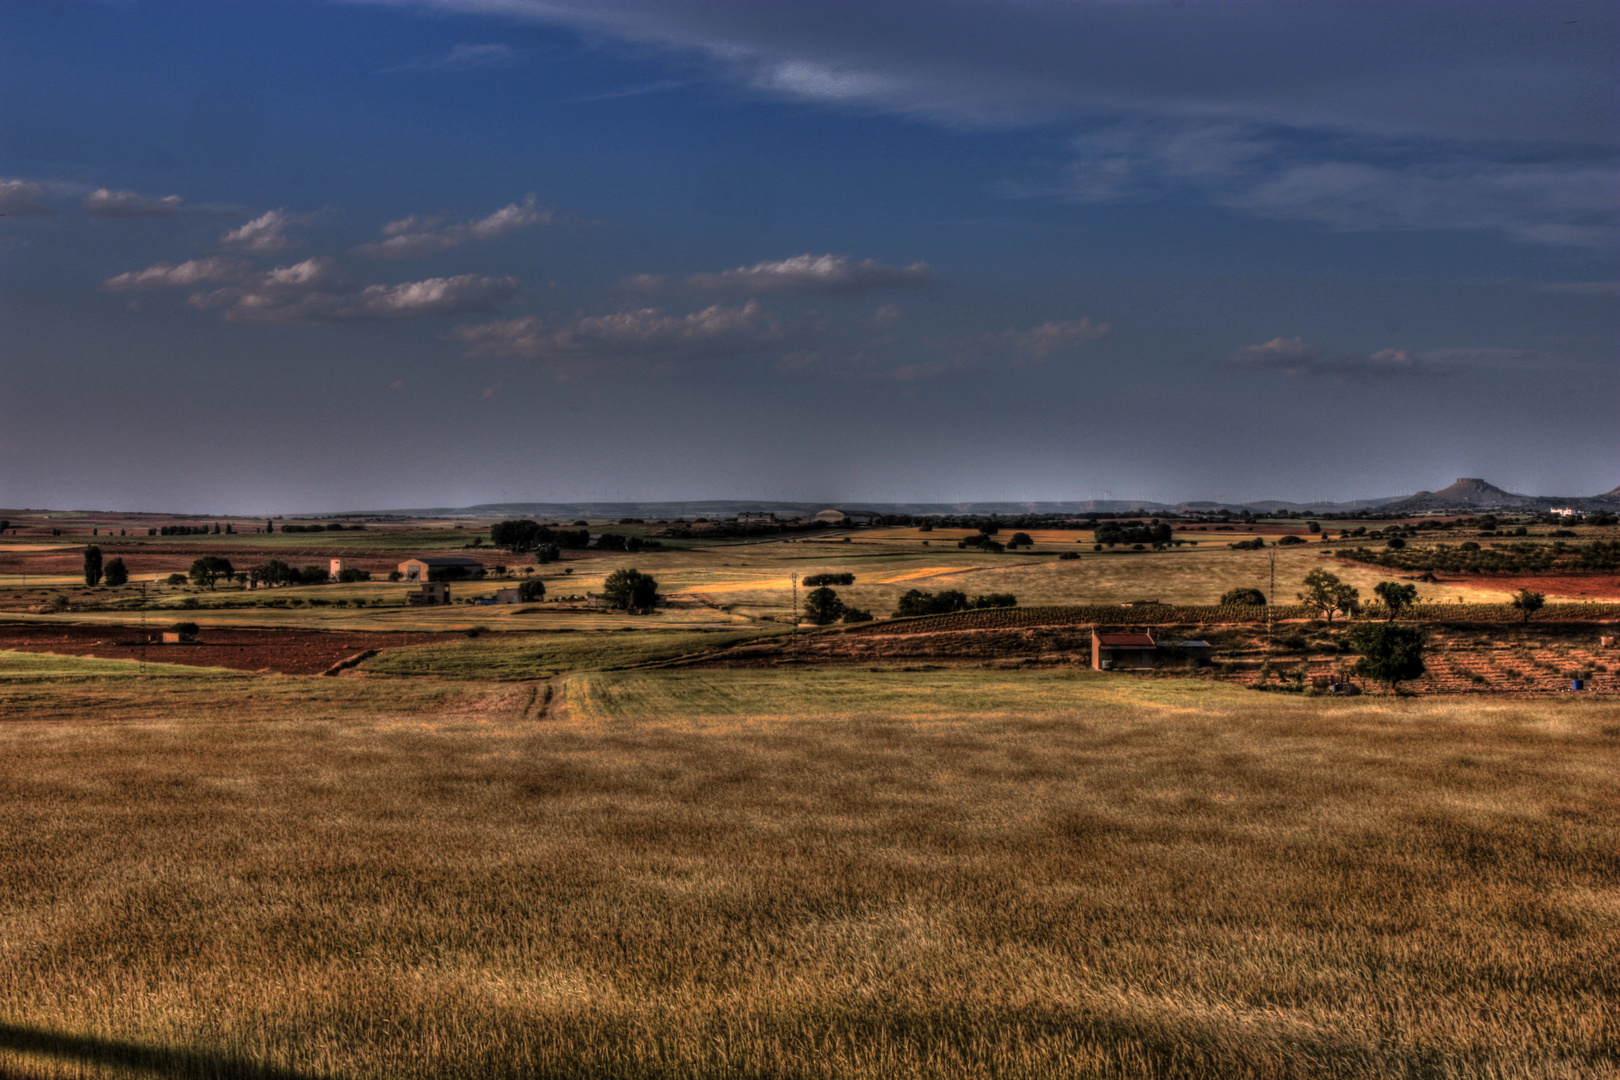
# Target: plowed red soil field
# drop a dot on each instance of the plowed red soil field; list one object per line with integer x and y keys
{"x": 1562, "y": 586}
{"x": 290, "y": 652}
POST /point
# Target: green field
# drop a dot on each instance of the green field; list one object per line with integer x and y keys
{"x": 535, "y": 656}
{"x": 830, "y": 873}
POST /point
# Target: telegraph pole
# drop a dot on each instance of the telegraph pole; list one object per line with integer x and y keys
{"x": 1271, "y": 602}
{"x": 795, "y": 579}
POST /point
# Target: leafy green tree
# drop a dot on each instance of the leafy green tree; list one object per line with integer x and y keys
{"x": 1327, "y": 594}
{"x": 855, "y": 615}
{"x": 517, "y": 535}
{"x": 630, "y": 590}
{"x": 92, "y": 566}
{"x": 1020, "y": 539}
{"x": 117, "y": 573}
{"x": 531, "y": 590}
{"x": 823, "y": 607}
{"x": 209, "y": 569}
{"x": 1243, "y": 598}
{"x": 1529, "y": 602}
{"x": 1388, "y": 653}
{"x": 547, "y": 553}
{"x": 1396, "y": 597}
{"x": 1313, "y": 526}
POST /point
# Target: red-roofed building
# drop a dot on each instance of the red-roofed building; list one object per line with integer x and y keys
{"x": 1116, "y": 652}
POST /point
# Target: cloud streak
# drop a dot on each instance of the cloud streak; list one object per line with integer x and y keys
{"x": 189, "y": 273}
{"x": 647, "y": 338}
{"x": 264, "y": 235}
{"x": 414, "y": 236}
{"x": 810, "y": 275}
{"x": 105, "y": 202}
{"x": 1296, "y": 356}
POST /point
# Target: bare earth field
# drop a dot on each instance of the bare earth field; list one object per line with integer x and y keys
{"x": 290, "y": 652}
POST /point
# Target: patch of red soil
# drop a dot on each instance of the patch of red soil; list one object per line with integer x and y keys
{"x": 1555, "y": 586}
{"x": 290, "y": 652}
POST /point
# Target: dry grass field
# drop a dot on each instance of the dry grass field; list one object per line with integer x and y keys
{"x": 799, "y": 873}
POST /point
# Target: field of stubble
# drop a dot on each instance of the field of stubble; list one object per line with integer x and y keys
{"x": 824, "y": 873}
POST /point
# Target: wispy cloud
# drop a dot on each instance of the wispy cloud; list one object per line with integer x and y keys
{"x": 1041, "y": 341}
{"x": 461, "y": 57}
{"x": 658, "y": 86}
{"x": 313, "y": 292}
{"x": 650, "y": 337}
{"x": 105, "y": 202}
{"x": 19, "y": 198}
{"x": 1486, "y": 118}
{"x": 1296, "y": 356}
{"x": 264, "y": 235}
{"x": 191, "y": 272}
{"x": 1266, "y": 173}
{"x": 801, "y": 274}
{"x": 416, "y": 235}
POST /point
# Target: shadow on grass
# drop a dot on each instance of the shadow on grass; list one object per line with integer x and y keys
{"x": 88, "y": 1050}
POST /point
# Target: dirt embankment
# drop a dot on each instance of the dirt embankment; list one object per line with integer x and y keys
{"x": 290, "y": 652}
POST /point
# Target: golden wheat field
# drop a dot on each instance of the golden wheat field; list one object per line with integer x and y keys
{"x": 817, "y": 873}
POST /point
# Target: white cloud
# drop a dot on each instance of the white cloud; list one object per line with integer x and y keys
{"x": 804, "y": 274}
{"x": 21, "y": 197}
{"x": 191, "y": 272}
{"x": 1041, "y": 341}
{"x": 415, "y": 235}
{"x": 264, "y": 235}
{"x": 648, "y": 337}
{"x": 104, "y": 202}
{"x": 312, "y": 291}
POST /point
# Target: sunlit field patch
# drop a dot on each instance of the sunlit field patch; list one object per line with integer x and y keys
{"x": 833, "y": 873}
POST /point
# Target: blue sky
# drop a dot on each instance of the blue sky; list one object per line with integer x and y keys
{"x": 320, "y": 256}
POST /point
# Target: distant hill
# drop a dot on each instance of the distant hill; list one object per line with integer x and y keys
{"x": 1471, "y": 494}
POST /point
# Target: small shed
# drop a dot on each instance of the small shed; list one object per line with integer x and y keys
{"x": 1116, "y": 652}
{"x": 334, "y": 567}
{"x": 506, "y": 596}
{"x": 1199, "y": 654}
{"x": 428, "y": 593}
{"x": 440, "y": 568}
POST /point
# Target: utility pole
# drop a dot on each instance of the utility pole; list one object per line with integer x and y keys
{"x": 795, "y": 579}
{"x": 1271, "y": 602}
{"x": 143, "y": 628}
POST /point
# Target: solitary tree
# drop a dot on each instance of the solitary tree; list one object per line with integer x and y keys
{"x": 92, "y": 566}
{"x": 1243, "y": 598}
{"x": 117, "y": 574}
{"x": 1020, "y": 539}
{"x": 1395, "y": 596}
{"x": 1388, "y": 653}
{"x": 1528, "y": 602}
{"x": 531, "y": 590}
{"x": 209, "y": 569}
{"x": 822, "y": 606}
{"x": 630, "y": 590}
{"x": 1327, "y": 594}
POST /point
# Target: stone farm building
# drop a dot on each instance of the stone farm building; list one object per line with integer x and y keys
{"x": 440, "y": 568}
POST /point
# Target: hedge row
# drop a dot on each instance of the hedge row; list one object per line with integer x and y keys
{"x": 1167, "y": 614}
